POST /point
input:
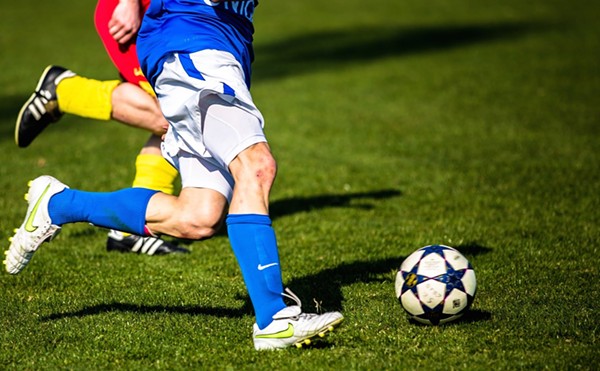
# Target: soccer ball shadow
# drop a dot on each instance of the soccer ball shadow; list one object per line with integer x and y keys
{"x": 470, "y": 316}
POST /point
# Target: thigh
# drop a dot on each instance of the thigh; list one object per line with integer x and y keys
{"x": 228, "y": 129}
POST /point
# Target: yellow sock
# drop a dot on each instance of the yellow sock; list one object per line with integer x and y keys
{"x": 154, "y": 172}
{"x": 86, "y": 97}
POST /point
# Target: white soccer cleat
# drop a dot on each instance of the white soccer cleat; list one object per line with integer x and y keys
{"x": 37, "y": 226}
{"x": 291, "y": 326}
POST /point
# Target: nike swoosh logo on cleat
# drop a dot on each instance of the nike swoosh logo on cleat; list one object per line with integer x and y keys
{"x": 263, "y": 267}
{"x": 287, "y": 333}
{"x": 29, "y": 227}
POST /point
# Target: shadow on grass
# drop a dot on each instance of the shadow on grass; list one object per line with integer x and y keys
{"x": 327, "y": 283}
{"x": 474, "y": 315}
{"x": 146, "y": 309}
{"x": 294, "y": 205}
{"x": 472, "y": 249}
{"x": 338, "y": 48}
{"x": 470, "y": 316}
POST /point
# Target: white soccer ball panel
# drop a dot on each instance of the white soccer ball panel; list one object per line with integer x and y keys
{"x": 411, "y": 261}
{"x": 432, "y": 265}
{"x": 455, "y": 302}
{"x": 411, "y": 303}
{"x": 469, "y": 282}
{"x": 399, "y": 283}
{"x": 456, "y": 259}
{"x": 431, "y": 293}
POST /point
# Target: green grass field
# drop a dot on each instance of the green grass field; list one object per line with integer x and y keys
{"x": 396, "y": 124}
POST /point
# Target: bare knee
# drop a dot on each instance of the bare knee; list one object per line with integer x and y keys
{"x": 254, "y": 171}
{"x": 255, "y": 165}
{"x": 266, "y": 169}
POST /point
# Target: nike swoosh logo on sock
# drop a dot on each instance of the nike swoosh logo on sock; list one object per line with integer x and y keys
{"x": 263, "y": 267}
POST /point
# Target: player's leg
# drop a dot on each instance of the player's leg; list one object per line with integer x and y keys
{"x": 196, "y": 214}
{"x": 52, "y": 204}
{"x": 234, "y": 136}
{"x": 254, "y": 172}
{"x": 61, "y": 91}
{"x": 152, "y": 171}
{"x": 133, "y": 106}
{"x": 231, "y": 131}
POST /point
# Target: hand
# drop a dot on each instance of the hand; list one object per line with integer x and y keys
{"x": 125, "y": 21}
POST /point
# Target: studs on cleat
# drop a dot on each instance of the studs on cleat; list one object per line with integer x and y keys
{"x": 309, "y": 341}
{"x": 29, "y": 183}
{"x": 26, "y": 197}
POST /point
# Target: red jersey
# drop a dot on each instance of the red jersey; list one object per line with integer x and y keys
{"x": 124, "y": 56}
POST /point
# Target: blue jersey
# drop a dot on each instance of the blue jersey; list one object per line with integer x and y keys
{"x": 187, "y": 26}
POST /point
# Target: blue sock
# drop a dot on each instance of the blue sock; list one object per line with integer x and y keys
{"x": 123, "y": 210}
{"x": 253, "y": 242}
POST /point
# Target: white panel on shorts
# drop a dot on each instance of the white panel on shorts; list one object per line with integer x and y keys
{"x": 209, "y": 126}
{"x": 198, "y": 172}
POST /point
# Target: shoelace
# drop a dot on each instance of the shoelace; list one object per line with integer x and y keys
{"x": 289, "y": 294}
{"x": 305, "y": 316}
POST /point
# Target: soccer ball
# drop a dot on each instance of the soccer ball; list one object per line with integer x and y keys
{"x": 435, "y": 285}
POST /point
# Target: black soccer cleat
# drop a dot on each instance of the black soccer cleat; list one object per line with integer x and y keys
{"x": 117, "y": 241}
{"x": 41, "y": 109}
